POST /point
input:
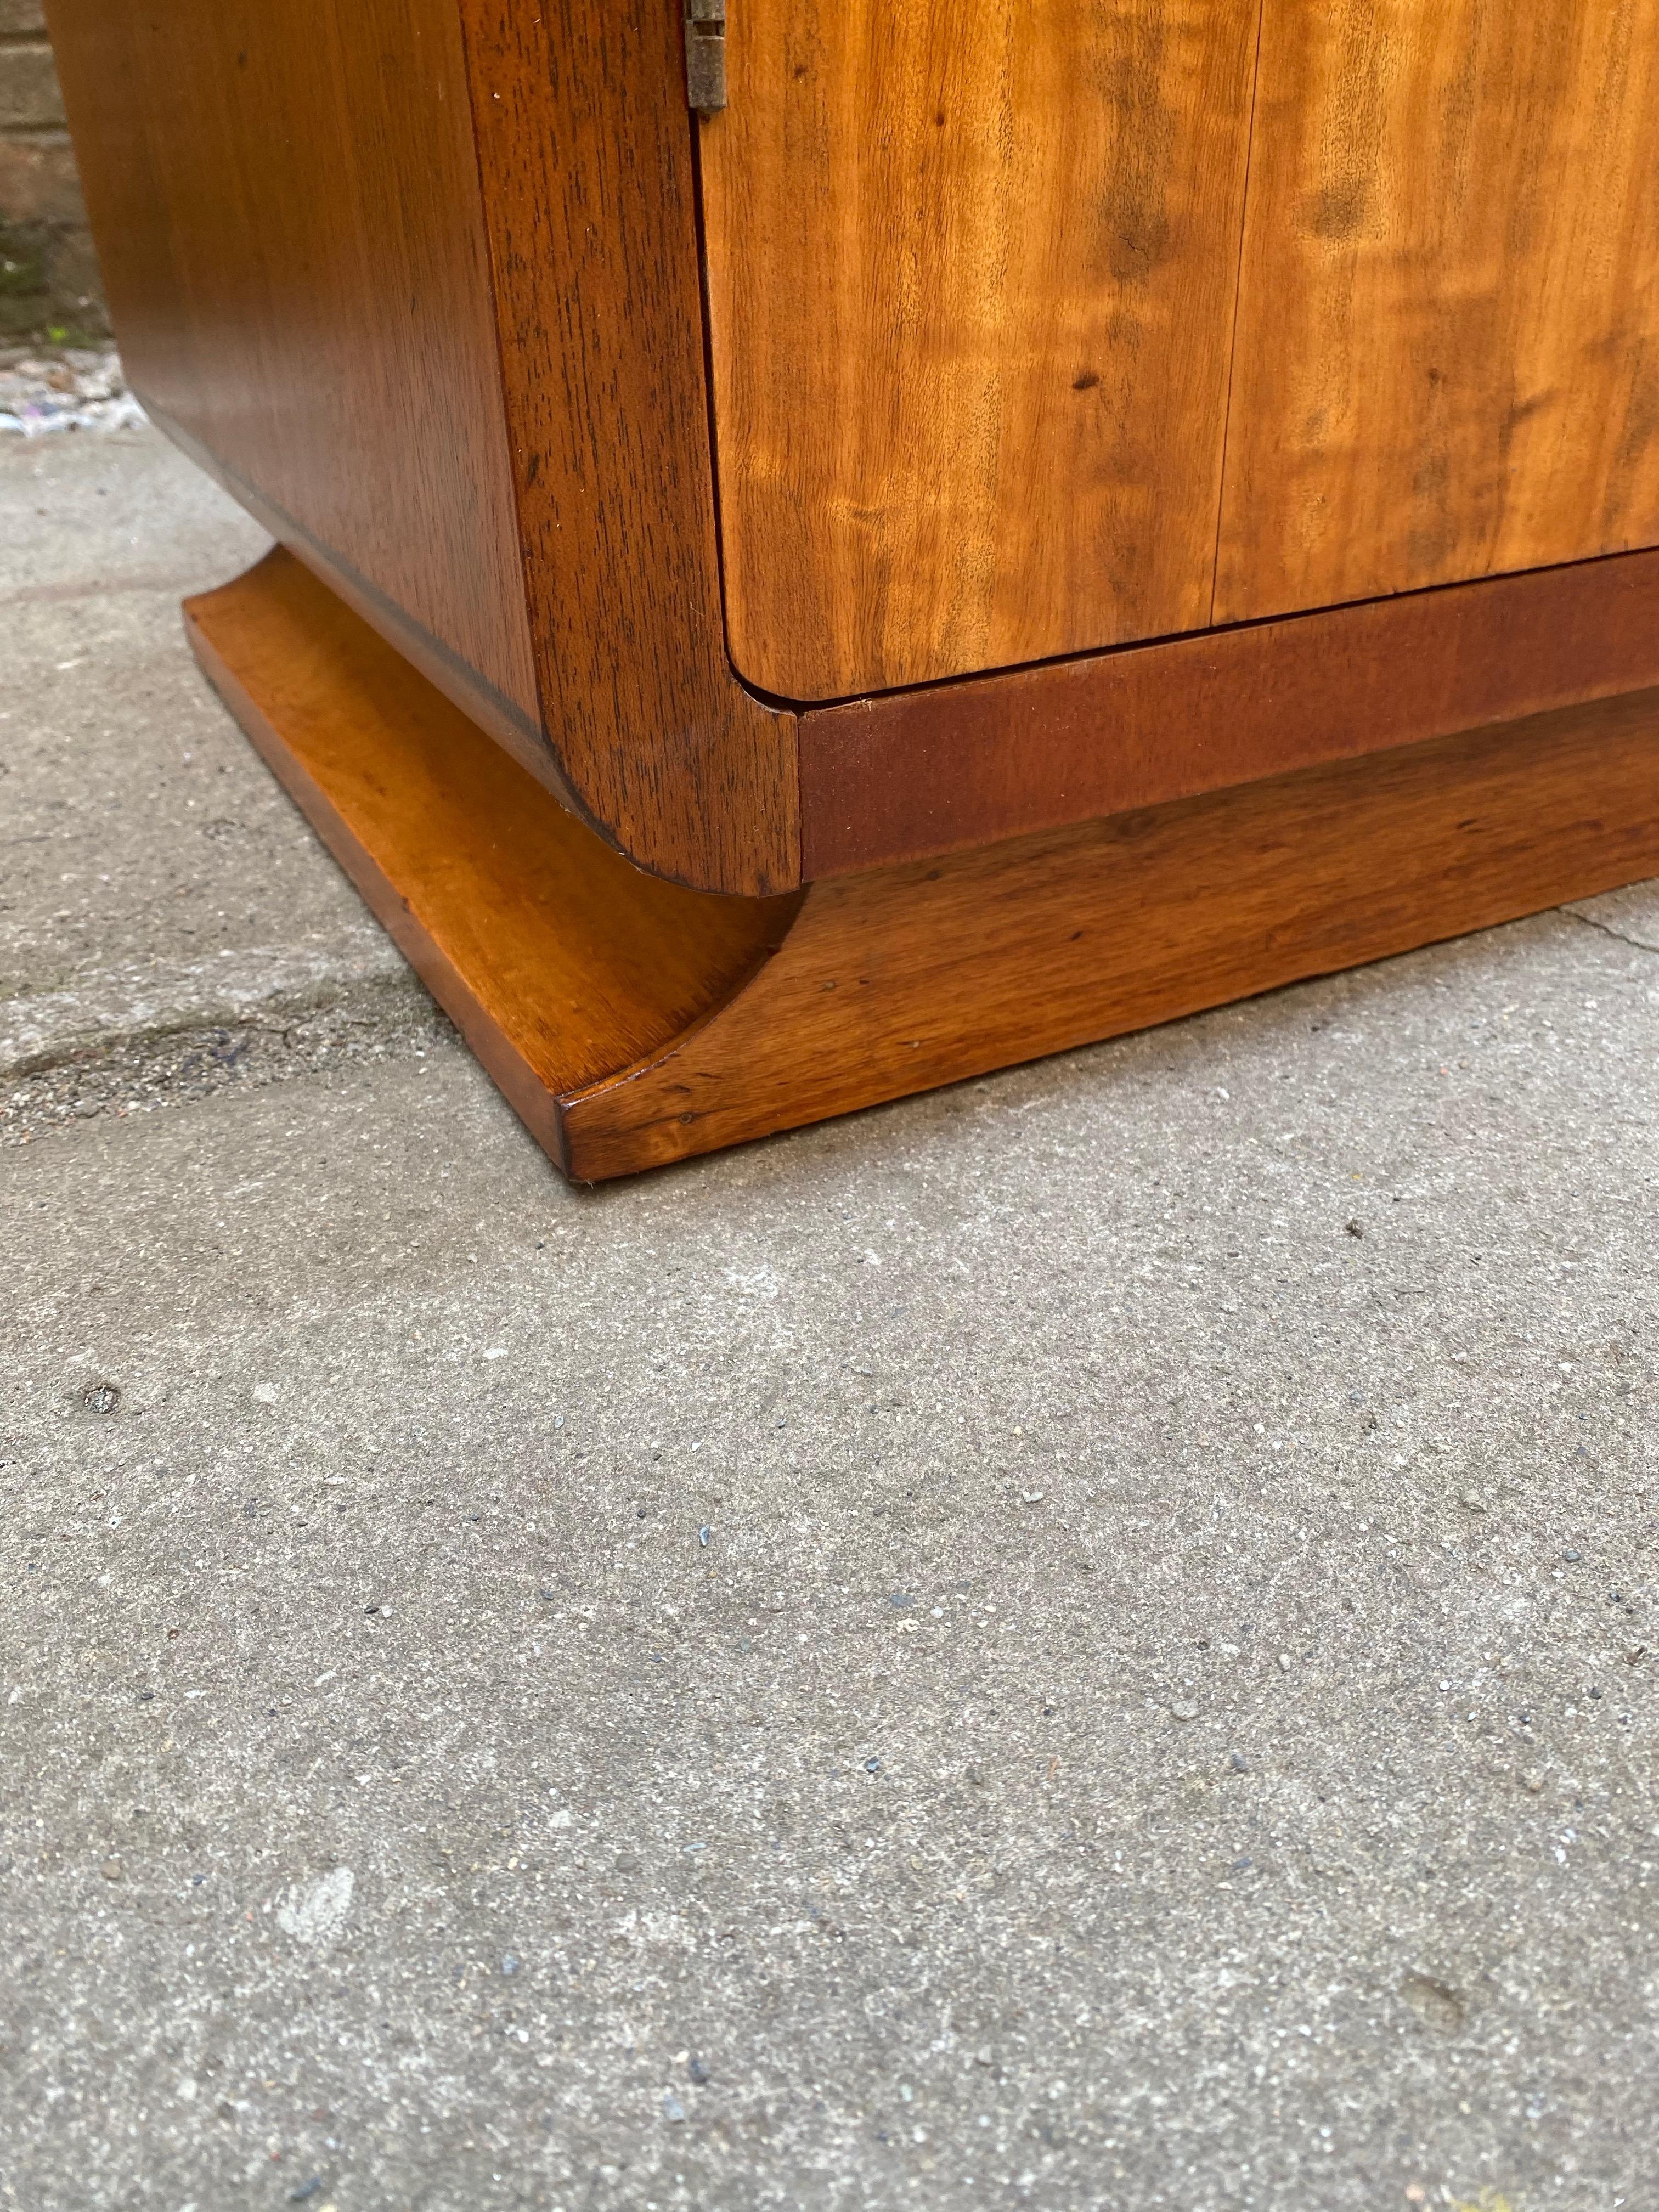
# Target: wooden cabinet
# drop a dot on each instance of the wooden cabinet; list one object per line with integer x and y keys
{"x": 924, "y": 484}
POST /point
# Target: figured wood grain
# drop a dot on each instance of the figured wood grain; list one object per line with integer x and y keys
{"x": 287, "y": 208}
{"x": 895, "y": 980}
{"x": 585, "y": 145}
{"x": 928, "y": 771}
{"x": 1448, "y": 355}
{"x": 971, "y": 292}
{"x": 558, "y": 961}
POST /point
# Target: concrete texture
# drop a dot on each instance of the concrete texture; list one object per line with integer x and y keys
{"x": 1086, "y": 1641}
{"x": 164, "y": 920}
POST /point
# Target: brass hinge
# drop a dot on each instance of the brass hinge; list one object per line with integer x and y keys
{"x": 705, "y": 54}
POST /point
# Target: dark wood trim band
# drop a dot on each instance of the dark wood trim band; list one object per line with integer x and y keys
{"x": 907, "y": 774}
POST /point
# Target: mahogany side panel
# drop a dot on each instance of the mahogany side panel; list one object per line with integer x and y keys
{"x": 1448, "y": 357}
{"x": 287, "y": 207}
{"x": 933, "y": 770}
{"x": 585, "y": 142}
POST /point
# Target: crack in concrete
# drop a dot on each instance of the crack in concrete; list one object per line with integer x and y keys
{"x": 142, "y": 1034}
{"x": 122, "y": 1076}
{"x": 1590, "y": 920}
{"x": 254, "y": 986}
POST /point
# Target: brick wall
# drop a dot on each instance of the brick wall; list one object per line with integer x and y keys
{"x": 49, "y": 284}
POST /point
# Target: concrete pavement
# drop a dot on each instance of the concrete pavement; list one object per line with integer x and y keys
{"x": 1086, "y": 1641}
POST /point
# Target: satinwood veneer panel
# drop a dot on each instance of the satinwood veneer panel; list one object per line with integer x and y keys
{"x": 971, "y": 280}
{"x": 1447, "y": 355}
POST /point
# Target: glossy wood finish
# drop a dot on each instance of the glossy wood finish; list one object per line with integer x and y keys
{"x": 418, "y": 280}
{"x": 971, "y": 282}
{"x": 932, "y": 770}
{"x": 585, "y": 143}
{"x": 286, "y": 202}
{"x": 558, "y": 961}
{"x": 1447, "y": 358}
{"x": 632, "y": 1024}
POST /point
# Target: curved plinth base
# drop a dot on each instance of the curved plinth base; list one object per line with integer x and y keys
{"x": 630, "y": 1022}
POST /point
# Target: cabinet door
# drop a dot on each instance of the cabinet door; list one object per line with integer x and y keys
{"x": 971, "y": 278}
{"x": 1447, "y": 355}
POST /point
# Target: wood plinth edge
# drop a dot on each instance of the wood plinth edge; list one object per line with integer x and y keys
{"x": 631, "y": 1023}
{"x": 559, "y": 961}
